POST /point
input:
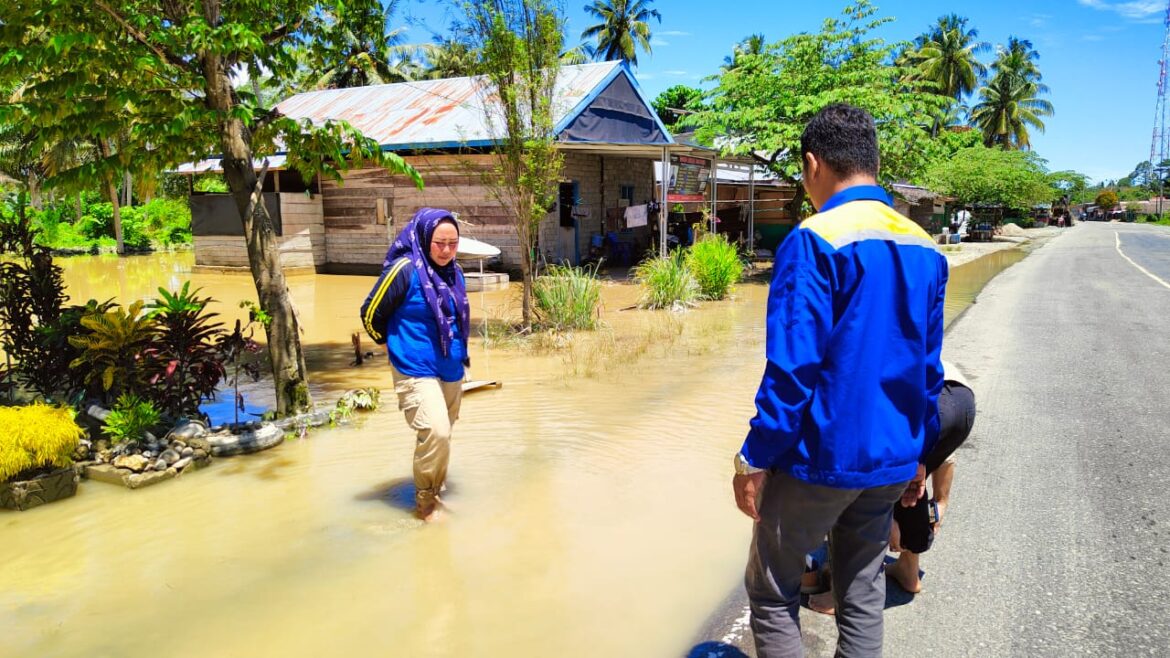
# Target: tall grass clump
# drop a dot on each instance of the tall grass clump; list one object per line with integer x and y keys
{"x": 667, "y": 282}
{"x": 715, "y": 264}
{"x": 567, "y": 298}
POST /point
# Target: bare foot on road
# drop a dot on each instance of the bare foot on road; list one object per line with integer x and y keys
{"x": 823, "y": 603}
{"x": 905, "y": 572}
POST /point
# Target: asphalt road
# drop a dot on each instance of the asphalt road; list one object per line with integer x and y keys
{"x": 1057, "y": 542}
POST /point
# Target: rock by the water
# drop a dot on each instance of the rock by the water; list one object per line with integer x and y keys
{"x": 187, "y": 451}
{"x": 181, "y": 464}
{"x": 136, "y": 463}
{"x": 161, "y": 465}
{"x": 170, "y": 456}
{"x": 190, "y": 429}
{"x": 147, "y": 479}
{"x": 199, "y": 444}
{"x": 247, "y": 441}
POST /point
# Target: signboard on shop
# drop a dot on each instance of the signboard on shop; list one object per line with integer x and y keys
{"x": 688, "y": 179}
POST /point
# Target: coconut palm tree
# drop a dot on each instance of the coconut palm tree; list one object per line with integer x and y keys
{"x": 1008, "y": 107}
{"x": 1018, "y": 58}
{"x": 751, "y": 45}
{"x": 358, "y": 49}
{"x": 946, "y": 57}
{"x": 624, "y": 28}
{"x": 449, "y": 58}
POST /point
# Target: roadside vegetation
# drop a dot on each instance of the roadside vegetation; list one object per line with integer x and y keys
{"x": 567, "y": 298}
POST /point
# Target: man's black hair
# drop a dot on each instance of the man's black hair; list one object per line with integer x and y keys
{"x": 842, "y": 137}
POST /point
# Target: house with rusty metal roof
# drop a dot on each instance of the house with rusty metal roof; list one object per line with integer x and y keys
{"x": 608, "y": 132}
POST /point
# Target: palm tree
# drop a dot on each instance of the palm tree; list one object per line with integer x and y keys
{"x": 449, "y": 58}
{"x": 1018, "y": 58}
{"x": 624, "y": 28}
{"x": 945, "y": 57}
{"x": 358, "y": 49}
{"x": 751, "y": 45}
{"x": 1008, "y": 106}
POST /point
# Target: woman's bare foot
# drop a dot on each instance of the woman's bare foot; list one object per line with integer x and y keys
{"x": 905, "y": 572}
{"x": 823, "y": 603}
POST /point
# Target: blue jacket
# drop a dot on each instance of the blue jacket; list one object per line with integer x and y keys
{"x": 412, "y": 335}
{"x": 849, "y": 397}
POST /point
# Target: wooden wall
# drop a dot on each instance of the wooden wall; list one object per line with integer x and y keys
{"x": 366, "y": 212}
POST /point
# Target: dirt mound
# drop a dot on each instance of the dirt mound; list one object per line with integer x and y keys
{"x": 1013, "y": 231}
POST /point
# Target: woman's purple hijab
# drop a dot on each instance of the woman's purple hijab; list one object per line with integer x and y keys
{"x": 441, "y": 285}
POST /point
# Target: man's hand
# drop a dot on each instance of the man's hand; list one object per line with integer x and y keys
{"x": 746, "y": 488}
{"x": 916, "y": 488}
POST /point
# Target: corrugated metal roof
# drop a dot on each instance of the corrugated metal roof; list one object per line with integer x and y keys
{"x": 434, "y": 113}
{"x": 215, "y": 165}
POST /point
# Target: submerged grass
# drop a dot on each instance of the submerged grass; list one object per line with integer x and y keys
{"x": 667, "y": 282}
{"x": 715, "y": 264}
{"x": 567, "y": 298}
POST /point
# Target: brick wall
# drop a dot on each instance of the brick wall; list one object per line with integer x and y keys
{"x": 302, "y": 243}
{"x": 599, "y": 183}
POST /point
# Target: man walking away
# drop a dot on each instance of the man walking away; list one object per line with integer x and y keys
{"x": 847, "y": 407}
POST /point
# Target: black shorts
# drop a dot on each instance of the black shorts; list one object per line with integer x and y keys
{"x": 956, "y": 411}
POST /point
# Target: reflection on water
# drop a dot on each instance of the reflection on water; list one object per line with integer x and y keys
{"x": 967, "y": 280}
{"x": 591, "y": 507}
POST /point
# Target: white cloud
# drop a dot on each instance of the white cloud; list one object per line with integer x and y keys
{"x": 1134, "y": 9}
{"x": 677, "y": 72}
{"x": 1040, "y": 20}
{"x": 1092, "y": 37}
{"x": 673, "y": 33}
{"x": 655, "y": 42}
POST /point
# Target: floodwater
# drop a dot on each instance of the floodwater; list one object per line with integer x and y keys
{"x": 592, "y": 514}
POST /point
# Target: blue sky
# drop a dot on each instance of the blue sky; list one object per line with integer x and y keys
{"x": 1099, "y": 57}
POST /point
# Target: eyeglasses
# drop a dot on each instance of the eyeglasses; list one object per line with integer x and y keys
{"x": 446, "y": 245}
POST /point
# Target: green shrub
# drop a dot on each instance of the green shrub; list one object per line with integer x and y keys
{"x": 715, "y": 265}
{"x": 130, "y": 418}
{"x": 34, "y": 437}
{"x": 567, "y": 298}
{"x": 667, "y": 282}
{"x": 168, "y": 221}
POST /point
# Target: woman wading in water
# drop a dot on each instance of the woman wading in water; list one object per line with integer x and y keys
{"x": 420, "y": 303}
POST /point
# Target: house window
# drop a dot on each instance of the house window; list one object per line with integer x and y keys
{"x": 627, "y": 193}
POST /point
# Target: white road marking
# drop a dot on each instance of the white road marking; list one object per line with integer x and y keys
{"x": 1143, "y": 270}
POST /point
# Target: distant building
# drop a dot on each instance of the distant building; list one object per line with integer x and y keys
{"x": 605, "y": 127}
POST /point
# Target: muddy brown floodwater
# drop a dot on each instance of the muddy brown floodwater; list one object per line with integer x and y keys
{"x": 591, "y": 507}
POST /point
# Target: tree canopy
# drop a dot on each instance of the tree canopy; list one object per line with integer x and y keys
{"x": 981, "y": 175}
{"x": 160, "y": 82}
{"x": 678, "y": 97}
{"x": 764, "y": 103}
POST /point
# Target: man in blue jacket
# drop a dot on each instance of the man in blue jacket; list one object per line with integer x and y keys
{"x": 848, "y": 403}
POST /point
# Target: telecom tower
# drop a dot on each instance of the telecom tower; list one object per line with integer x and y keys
{"x": 1158, "y": 153}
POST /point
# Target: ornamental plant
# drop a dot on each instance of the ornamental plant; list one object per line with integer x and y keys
{"x": 130, "y": 418}
{"x": 36, "y": 437}
{"x": 190, "y": 364}
{"x": 120, "y": 352}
